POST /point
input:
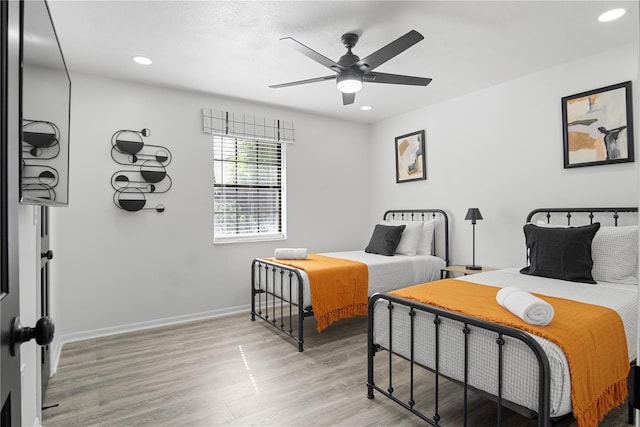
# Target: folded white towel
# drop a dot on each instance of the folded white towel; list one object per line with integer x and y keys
{"x": 290, "y": 253}
{"x": 526, "y": 306}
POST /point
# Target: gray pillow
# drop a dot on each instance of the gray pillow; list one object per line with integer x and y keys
{"x": 385, "y": 239}
{"x": 560, "y": 253}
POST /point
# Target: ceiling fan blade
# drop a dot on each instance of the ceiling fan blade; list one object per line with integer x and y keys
{"x": 348, "y": 98}
{"x": 332, "y": 65}
{"x": 396, "y": 79}
{"x": 387, "y": 52}
{"x": 301, "y": 82}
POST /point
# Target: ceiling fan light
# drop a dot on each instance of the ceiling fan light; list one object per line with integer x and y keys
{"x": 349, "y": 83}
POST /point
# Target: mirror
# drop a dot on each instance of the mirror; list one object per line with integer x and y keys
{"x": 45, "y": 105}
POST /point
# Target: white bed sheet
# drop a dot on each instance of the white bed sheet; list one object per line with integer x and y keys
{"x": 386, "y": 273}
{"x": 520, "y": 365}
{"x": 621, "y": 298}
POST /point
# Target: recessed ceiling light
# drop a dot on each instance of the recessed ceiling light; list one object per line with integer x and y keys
{"x": 366, "y": 107}
{"x": 142, "y": 60}
{"x": 611, "y": 15}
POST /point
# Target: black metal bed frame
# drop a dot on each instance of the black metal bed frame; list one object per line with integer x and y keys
{"x": 469, "y": 323}
{"x": 272, "y": 284}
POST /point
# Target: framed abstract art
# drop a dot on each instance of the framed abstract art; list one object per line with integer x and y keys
{"x": 597, "y": 126}
{"x": 410, "y": 157}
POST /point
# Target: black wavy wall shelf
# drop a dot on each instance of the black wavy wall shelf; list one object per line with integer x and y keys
{"x": 145, "y": 176}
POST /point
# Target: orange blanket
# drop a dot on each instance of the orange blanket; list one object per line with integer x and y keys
{"x": 592, "y": 338}
{"x": 339, "y": 287}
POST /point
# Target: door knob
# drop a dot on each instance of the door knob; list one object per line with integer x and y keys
{"x": 42, "y": 332}
{"x": 47, "y": 255}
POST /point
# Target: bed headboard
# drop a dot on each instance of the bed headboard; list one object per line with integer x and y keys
{"x": 441, "y": 233}
{"x": 583, "y": 216}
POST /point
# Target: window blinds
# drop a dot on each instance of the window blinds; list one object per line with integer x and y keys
{"x": 249, "y": 195}
{"x": 248, "y": 191}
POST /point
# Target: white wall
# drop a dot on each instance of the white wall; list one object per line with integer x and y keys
{"x": 116, "y": 270}
{"x": 500, "y": 149}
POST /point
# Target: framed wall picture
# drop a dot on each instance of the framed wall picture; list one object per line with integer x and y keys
{"x": 597, "y": 126}
{"x": 410, "y": 157}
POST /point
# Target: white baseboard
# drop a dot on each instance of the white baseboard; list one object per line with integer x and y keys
{"x": 60, "y": 341}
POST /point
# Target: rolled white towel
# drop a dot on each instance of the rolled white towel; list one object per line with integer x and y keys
{"x": 290, "y": 253}
{"x": 526, "y": 306}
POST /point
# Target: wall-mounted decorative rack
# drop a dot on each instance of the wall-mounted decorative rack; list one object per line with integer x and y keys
{"x": 40, "y": 145}
{"x": 146, "y": 174}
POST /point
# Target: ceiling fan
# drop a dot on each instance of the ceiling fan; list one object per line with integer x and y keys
{"x": 351, "y": 71}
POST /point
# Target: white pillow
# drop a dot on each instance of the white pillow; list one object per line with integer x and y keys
{"x": 426, "y": 242}
{"x": 410, "y": 236}
{"x": 541, "y": 223}
{"x": 615, "y": 255}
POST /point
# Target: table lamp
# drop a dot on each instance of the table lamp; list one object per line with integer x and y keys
{"x": 473, "y": 214}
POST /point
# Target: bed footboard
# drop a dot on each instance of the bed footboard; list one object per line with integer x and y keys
{"x": 501, "y": 336}
{"x": 277, "y": 297}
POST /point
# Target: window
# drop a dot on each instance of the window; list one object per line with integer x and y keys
{"x": 249, "y": 184}
{"x": 248, "y": 196}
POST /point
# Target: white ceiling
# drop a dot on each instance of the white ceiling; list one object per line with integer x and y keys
{"x": 233, "y": 48}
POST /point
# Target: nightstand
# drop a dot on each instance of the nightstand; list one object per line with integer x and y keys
{"x": 461, "y": 269}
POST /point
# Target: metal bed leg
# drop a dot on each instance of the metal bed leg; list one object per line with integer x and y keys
{"x": 300, "y": 326}
{"x": 253, "y": 290}
{"x": 300, "y": 316}
{"x": 370, "y": 353}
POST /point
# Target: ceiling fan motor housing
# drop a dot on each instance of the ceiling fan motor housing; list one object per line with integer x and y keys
{"x": 348, "y": 59}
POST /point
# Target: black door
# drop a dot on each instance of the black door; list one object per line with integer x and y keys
{"x": 10, "y": 393}
{"x": 45, "y": 256}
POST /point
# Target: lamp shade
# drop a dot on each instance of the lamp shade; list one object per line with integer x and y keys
{"x": 473, "y": 214}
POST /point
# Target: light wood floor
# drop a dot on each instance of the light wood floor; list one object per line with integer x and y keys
{"x": 233, "y": 372}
